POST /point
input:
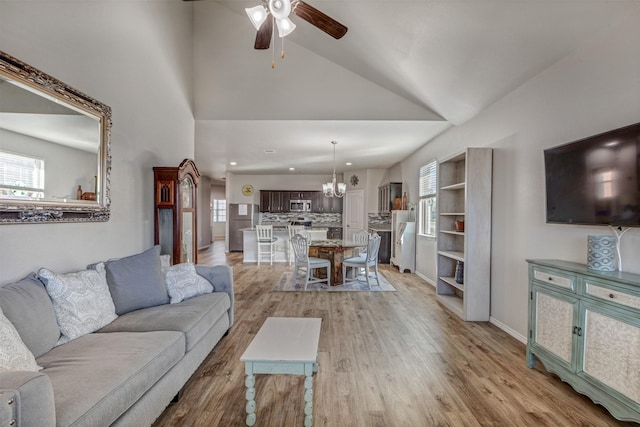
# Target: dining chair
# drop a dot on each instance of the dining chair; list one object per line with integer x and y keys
{"x": 266, "y": 242}
{"x": 361, "y": 236}
{"x": 293, "y": 230}
{"x": 309, "y": 264}
{"x": 366, "y": 261}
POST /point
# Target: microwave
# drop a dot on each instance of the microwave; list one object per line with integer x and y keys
{"x": 299, "y": 205}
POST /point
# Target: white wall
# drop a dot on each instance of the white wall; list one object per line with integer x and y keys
{"x": 595, "y": 89}
{"x": 136, "y": 58}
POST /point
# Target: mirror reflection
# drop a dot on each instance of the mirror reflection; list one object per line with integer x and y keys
{"x": 48, "y": 150}
{"x": 54, "y": 149}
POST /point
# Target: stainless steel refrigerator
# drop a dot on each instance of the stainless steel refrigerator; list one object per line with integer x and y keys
{"x": 239, "y": 216}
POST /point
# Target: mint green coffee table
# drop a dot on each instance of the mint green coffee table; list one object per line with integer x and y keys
{"x": 283, "y": 345}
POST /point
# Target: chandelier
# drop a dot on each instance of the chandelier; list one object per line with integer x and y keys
{"x": 334, "y": 189}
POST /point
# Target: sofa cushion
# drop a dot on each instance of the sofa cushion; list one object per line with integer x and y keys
{"x": 183, "y": 282}
{"x": 97, "y": 377}
{"x": 81, "y": 301}
{"x": 137, "y": 281}
{"x": 194, "y": 317}
{"x": 14, "y": 355}
{"x": 28, "y": 306}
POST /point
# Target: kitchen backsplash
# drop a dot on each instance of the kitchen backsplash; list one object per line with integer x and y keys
{"x": 318, "y": 218}
{"x": 378, "y": 218}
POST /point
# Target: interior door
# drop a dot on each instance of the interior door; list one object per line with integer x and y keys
{"x": 354, "y": 213}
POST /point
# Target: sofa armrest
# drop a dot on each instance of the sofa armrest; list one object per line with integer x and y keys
{"x": 221, "y": 277}
{"x": 27, "y": 398}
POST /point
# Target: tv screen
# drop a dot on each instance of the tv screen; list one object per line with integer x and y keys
{"x": 594, "y": 181}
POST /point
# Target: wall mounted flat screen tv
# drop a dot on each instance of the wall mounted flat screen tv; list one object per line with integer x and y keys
{"x": 595, "y": 181}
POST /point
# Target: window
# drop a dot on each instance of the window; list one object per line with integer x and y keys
{"x": 219, "y": 211}
{"x": 21, "y": 176}
{"x": 427, "y": 204}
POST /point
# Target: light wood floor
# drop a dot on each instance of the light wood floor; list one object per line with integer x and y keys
{"x": 386, "y": 359}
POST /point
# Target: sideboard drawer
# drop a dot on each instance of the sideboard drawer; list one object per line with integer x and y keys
{"x": 612, "y": 295}
{"x": 553, "y": 278}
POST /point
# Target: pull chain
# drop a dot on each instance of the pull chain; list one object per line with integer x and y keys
{"x": 282, "y": 53}
{"x": 273, "y": 49}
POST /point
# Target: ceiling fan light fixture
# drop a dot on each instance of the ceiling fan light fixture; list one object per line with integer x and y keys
{"x": 280, "y": 9}
{"x": 285, "y": 27}
{"x": 257, "y": 15}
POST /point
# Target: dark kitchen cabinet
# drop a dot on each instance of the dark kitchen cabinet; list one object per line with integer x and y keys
{"x": 274, "y": 201}
{"x": 301, "y": 195}
{"x": 384, "y": 253}
{"x": 322, "y": 204}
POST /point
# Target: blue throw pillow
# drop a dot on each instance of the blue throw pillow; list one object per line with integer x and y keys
{"x": 137, "y": 281}
{"x": 27, "y": 305}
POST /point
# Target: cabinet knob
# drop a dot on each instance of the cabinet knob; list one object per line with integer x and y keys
{"x": 612, "y": 296}
{"x": 550, "y": 279}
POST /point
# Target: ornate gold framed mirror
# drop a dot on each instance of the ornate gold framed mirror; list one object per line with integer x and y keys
{"x": 55, "y": 155}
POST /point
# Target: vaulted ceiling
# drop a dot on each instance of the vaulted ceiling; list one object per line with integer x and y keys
{"x": 404, "y": 73}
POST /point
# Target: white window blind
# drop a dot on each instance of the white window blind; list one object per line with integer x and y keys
{"x": 427, "y": 207}
{"x": 428, "y": 180}
{"x": 21, "y": 176}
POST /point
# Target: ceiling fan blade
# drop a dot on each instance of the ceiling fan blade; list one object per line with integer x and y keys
{"x": 319, "y": 19}
{"x": 263, "y": 38}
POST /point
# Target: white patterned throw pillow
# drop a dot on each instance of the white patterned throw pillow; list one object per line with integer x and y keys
{"x": 14, "y": 355}
{"x": 183, "y": 282}
{"x": 81, "y": 301}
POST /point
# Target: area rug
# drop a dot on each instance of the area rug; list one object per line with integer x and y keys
{"x": 285, "y": 283}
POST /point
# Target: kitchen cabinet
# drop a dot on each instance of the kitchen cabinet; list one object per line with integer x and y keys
{"x": 322, "y": 204}
{"x": 384, "y": 253}
{"x": 387, "y": 193}
{"x": 584, "y": 326}
{"x": 175, "y": 211}
{"x": 274, "y": 201}
{"x": 301, "y": 195}
{"x": 464, "y": 198}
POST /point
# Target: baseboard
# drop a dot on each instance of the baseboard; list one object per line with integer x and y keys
{"x": 202, "y": 248}
{"x": 425, "y": 278}
{"x": 508, "y": 330}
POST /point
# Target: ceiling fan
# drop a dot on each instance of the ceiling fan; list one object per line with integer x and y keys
{"x": 280, "y": 11}
{"x": 263, "y": 16}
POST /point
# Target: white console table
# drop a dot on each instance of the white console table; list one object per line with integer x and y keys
{"x": 584, "y": 326}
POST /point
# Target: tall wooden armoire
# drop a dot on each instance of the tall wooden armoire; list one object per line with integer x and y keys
{"x": 175, "y": 211}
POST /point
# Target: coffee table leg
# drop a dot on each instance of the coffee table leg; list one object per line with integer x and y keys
{"x": 308, "y": 394}
{"x": 250, "y": 395}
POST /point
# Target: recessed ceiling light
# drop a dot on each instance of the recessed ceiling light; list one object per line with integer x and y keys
{"x": 232, "y": 163}
{"x": 270, "y": 151}
{"x": 348, "y": 163}
{"x": 292, "y": 169}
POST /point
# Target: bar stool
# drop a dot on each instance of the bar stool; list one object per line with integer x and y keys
{"x": 266, "y": 242}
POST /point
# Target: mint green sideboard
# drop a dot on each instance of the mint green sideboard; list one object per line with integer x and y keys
{"x": 584, "y": 326}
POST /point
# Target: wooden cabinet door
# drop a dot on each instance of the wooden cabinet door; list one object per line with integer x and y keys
{"x": 265, "y": 201}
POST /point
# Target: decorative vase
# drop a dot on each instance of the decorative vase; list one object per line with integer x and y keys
{"x": 459, "y": 272}
{"x": 601, "y": 253}
{"x": 404, "y": 201}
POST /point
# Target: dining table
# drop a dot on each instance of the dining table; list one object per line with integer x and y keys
{"x": 335, "y": 250}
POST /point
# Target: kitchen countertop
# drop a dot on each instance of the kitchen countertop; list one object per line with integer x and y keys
{"x": 284, "y": 228}
{"x": 381, "y": 228}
